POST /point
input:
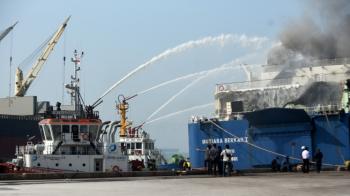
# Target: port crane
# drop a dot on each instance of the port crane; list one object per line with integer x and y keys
{"x": 7, "y": 31}
{"x": 23, "y": 84}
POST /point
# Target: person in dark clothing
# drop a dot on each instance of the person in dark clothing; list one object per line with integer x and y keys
{"x": 212, "y": 156}
{"x": 207, "y": 162}
{"x": 318, "y": 159}
{"x": 275, "y": 165}
{"x": 219, "y": 161}
{"x": 181, "y": 163}
{"x": 286, "y": 167}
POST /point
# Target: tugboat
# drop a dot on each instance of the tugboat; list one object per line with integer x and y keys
{"x": 71, "y": 140}
{"x": 76, "y": 140}
{"x": 134, "y": 142}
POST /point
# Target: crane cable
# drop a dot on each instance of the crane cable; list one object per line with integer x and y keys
{"x": 29, "y": 59}
{"x": 10, "y": 64}
{"x": 64, "y": 67}
{"x": 265, "y": 149}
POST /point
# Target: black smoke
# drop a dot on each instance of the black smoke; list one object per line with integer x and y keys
{"x": 320, "y": 93}
{"x": 322, "y": 33}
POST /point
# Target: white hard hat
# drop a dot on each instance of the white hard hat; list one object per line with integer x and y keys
{"x": 303, "y": 147}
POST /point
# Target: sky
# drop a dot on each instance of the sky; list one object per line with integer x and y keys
{"x": 118, "y": 36}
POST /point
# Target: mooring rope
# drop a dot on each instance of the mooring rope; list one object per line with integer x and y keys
{"x": 265, "y": 149}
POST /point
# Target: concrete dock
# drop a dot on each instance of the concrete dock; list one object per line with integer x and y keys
{"x": 269, "y": 184}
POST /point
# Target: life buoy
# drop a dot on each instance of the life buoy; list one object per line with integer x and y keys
{"x": 116, "y": 168}
{"x": 221, "y": 88}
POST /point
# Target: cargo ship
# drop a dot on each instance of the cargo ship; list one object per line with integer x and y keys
{"x": 276, "y": 112}
{"x": 20, "y": 114}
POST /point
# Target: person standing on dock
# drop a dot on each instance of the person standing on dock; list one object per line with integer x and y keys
{"x": 305, "y": 154}
{"x": 318, "y": 159}
{"x": 207, "y": 163}
{"x": 219, "y": 160}
{"x": 227, "y": 155}
{"x": 212, "y": 155}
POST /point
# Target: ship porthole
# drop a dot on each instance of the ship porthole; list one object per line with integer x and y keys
{"x": 83, "y": 164}
{"x": 70, "y": 165}
{"x": 56, "y": 164}
{"x": 38, "y": 164}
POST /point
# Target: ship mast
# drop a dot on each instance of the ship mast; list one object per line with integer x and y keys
{"x": 123, "y": 107}
{"x": 74, "y": 86}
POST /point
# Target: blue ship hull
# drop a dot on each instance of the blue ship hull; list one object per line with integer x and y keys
{"x": 277, "y": 130}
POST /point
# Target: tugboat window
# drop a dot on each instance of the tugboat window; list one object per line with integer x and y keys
{"x": 83, "y": 129}
{"x": 42, "y": 132}
{"x": 56, "y": 164}
{"x": 70, "y": 165}
{"x": 75, "y": 133}
{"x": 93, "y": 131}
{"x": 65, "y": 129}
{"x": 47, "y": 132}
{"x": 138, "y": 145}
{"x": 56, "y": 130}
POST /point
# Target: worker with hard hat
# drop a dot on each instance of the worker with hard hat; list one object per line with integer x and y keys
{"x": 305, "y": 155}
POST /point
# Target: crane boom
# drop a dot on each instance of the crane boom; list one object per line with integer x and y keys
{"x": 23, "y": 85}
{"x": 7, "y": 31}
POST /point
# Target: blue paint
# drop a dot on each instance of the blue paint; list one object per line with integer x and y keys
{"x": 331, "y": 136}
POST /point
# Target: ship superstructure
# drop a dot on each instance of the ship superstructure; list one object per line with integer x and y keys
{"x": 70, "y": 140}
{"x": 313, "y": 86}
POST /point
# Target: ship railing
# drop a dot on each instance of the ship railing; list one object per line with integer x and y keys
{"x": 279, "y": 83}
{"x": 313, "y": 63}
{"x": 322, "y": 109}
{"x": 314, "y": 110}
{"x": 74, "y": 114}
{"x": 257, "y": 84}
{"x": 31, "y": 149}
{"x": 336, "y": 61}
{"x": 289, "y": 81}
{"x": 18, "y": 117}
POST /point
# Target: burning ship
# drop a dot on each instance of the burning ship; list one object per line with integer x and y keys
{"x": 277, "y": 112}
{"x": 300, "y": 98}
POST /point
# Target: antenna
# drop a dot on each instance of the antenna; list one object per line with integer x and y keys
{"x": 74, "y": 86}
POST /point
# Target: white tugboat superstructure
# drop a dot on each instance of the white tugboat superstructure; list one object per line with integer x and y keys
{"x": 71, "y": 141}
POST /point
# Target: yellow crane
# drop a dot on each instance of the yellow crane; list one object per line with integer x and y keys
{"x": 23, "y": 84}
{"x": 123, "y": 107}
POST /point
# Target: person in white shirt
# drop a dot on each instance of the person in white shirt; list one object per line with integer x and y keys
{"x": 305, "y": 155}
{"x": 226, "y": 158}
